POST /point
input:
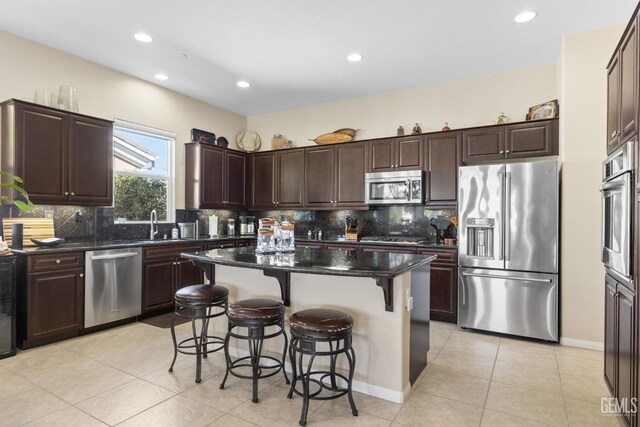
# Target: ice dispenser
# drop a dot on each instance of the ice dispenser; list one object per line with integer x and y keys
{"x": 480, "y": 237}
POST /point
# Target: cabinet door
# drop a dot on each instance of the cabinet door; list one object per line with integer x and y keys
{"x": 628, "y": 84}
{"x": 444, "y": 292}
{"x": 235, "y": 173}
{"x": 409, "y": 153}
{"x": 90, "y": 161}
{"x": 55, "y": 304}
{"x": 350, "y": 169}
{"x": 212, "y": 176}
{"x": 613, "y": 105}
{"x": 157, "y": 284}
{"x": 290, "y": 179}
{"x": 610, "y": 335}
{"x": 442, "y": 161}
{"x": 188, "y": 274}
{"x": 626, "y": 353}
{"x": 483, "y": 144}
{"x": 530, "y": 139}
{"x": 263, "y": 170}
{"x": 383, "y": 155}
{"x": 41, "y": 137}
{"x": 320, "y": 176}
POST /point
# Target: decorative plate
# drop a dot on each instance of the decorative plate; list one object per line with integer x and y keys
{"x": 249, "y": 141}
{"x": 198, "y": 135}
{"x": 48, "y": 242}
{"x": 548, "y": 110}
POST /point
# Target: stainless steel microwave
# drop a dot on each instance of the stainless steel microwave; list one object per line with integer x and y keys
{"x": 394, "y": 188}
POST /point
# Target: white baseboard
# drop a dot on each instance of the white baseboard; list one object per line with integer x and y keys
{"x": 359, "y": 386}
{"x": 591, "y": 345}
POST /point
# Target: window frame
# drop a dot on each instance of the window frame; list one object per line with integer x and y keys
{"x": 170, "y": 177}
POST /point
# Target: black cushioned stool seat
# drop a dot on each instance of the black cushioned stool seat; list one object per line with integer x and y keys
{"x": 255, "y": 315}
{"x": 198, "y": 303}
{"x": 321, "y": 332}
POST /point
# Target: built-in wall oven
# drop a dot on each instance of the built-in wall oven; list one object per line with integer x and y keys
{"x": 617, "y": 213}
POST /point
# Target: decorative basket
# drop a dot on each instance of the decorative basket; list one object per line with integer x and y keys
{"x": 336, "y": 137}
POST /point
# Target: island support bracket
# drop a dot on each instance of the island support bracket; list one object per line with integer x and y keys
{"x": 209, "y": 270}
{"x": 284, "y": 278}
{"x": 386, "y": 284}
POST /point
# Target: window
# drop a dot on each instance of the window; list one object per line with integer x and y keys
{"x": 142, "y": 172}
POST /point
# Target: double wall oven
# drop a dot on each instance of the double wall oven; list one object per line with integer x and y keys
{"x": 617, "y": 214}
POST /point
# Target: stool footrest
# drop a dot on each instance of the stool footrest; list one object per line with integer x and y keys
{"x": 184, "y": 347}
{"x": 337, "y": 391}
{"x": 238, "y": 363}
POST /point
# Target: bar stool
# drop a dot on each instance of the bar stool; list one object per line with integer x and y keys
{"x": 255, "y": 315}
{"x": 203, "y": 303}
{"x": 308, "y": 329}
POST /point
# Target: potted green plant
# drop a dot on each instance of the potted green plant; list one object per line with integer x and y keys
{"x": 24, "y": 205}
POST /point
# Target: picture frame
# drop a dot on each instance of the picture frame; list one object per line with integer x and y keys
{"x": 198, "y": 135}
{"x": 546, "y": 110}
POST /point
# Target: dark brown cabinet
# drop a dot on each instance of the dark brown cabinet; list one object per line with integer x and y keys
{"x": 277, "y": 179}
{"x": 63, "y": 158}
{"x": 443, "y": 285}
{"x": 164, "y": 272}
{"x": 214, "y": 177}
{"x": 619, "y": 357}
{"x": 400, "y": 153}
{"x": 520, "y": 140}
{"x": 51, "y": 306}
{"x": 622, "y": 97}
{"x": 442, "y": 153}
{"x": 334, "y": 176}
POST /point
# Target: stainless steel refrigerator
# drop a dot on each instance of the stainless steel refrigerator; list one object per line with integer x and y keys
{"x": 508, "y": 248}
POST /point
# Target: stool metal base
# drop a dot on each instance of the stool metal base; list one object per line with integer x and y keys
{"x": 198, "y": 344}
{"x": 255, "y": 337}
{"x": 327, "y": 381}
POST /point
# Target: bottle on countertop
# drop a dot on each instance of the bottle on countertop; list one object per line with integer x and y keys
{"x": 319, "y": 234}
{"x": 175, "y": 234}
{"x": 309, "y": 235}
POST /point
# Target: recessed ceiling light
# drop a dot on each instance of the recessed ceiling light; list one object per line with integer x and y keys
{"x": 243, "y": 84}
{"x": 354, "y": 57}
{"x": 142, "y": 37}
{"x": 161, "y": 77}
{"x": 525, "y": 16}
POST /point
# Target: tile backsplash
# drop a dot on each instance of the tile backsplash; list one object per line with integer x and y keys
{"x": 98, "y": 223}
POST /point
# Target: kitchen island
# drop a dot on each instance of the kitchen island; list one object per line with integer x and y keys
{"x": 386, "y": 293}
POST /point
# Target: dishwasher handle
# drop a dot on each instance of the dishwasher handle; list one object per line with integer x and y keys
{"x": 113, "y": 256}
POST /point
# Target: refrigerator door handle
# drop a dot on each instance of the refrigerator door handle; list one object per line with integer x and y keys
{"x": 523, "y": 279}
{"x": 462, "y": 287}
{"x": 507, "y": 218}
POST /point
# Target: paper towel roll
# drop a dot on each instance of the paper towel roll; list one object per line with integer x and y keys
{"x": 213, "y": 225}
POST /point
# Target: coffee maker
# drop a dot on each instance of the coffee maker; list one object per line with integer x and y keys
{"x": 247, "y": 224}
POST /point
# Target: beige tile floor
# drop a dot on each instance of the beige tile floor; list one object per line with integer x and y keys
{"x": 119, "y": 377}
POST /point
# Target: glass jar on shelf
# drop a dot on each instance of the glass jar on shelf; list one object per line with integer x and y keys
{"x": 286, "y": 243}
{"x": 266, "y": 241}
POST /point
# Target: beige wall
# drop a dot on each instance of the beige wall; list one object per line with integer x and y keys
{"x": 109, "y": 94}
{"x": 582, "y": 93}
{"x": 471, "y": 102}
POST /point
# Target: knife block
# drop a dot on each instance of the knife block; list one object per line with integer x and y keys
{"x": 350, "y": 234}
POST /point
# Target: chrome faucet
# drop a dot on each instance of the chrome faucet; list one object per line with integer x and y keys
{"x": 154, "y": 229}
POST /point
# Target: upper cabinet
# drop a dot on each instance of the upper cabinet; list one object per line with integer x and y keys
{"x": 622, "y": 98}
{"x": 520, "y": 140}
{"x": 402, "y": 153}
{"x": 442, "y": 158}
{"x": 214, "y": 177}
{"x": 277, "y": 179}
{"x": 62, "y": 157}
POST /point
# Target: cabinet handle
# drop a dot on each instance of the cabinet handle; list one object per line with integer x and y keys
{"x": 58, "y": 261}
{"x": 507, "y": 151}
{"x": 81, "y": 274}
{"x": 618, "y": 133}
{"x": 613, "y": 134}
{"x": 73, "y": 194}
{"x": 501, "y": 151}
{"x": 66, "y": 193}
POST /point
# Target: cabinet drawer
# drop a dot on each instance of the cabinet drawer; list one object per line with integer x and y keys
{"x": 59, "y": 261}
{"x": 171, "y": 251}
{"x": 443, "y": 255}
{"x": 388, "y": 249}
{"x": 309, "y": 245}
{"x": 344, "y": 246}
{"x": 220, "y": 245}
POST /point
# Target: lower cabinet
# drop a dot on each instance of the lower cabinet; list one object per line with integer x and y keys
{"x": 164, "y": 272}
{"x": 619, "y": 354}
{"x": 443, "y": 285}
{"x": 51, "y": 305}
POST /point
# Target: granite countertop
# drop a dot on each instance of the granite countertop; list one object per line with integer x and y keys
{"x": 118, "y": 244}
{"x": 369, "y": 243}
{"x": 316, "y": 261}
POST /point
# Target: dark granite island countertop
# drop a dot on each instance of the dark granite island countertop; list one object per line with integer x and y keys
{"x": 391, "y": 328}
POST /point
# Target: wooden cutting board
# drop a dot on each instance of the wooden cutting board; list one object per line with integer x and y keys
{"x": 33, "y": 228}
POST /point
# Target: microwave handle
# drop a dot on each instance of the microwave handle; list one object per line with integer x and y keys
{"x": 610, "y": 185}
{"x": 408, "y": 181}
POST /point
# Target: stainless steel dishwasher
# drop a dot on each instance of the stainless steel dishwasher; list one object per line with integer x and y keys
{"x": 113, "y": 285}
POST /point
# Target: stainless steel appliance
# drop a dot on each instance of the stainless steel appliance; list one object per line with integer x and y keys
{"x": 617, "y": 207}
{"x": 402, "y": 187}
{"x": 508, "y": 248}
{"x": 113, "y": 285}
{"x": 188, "y": 230}
{"x": 394, "y": 240}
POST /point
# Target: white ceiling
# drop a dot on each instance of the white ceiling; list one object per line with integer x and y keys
{"x": 293, "y": 51}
